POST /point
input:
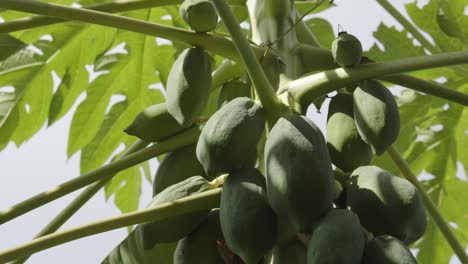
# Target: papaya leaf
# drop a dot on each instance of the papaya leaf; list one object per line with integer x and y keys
{"x": 323, "y": 30}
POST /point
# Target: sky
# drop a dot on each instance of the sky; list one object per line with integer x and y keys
{"x": 41, "y": 163}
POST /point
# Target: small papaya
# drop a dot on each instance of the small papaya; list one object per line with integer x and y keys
{"x": 177, "y": 166}
{"x": 200, "y": 15}
{"x": 154, "y": 124}
{"x": 229, "y": 138}
{"x": 347, "y": 150}
{"x": 386, "y": 204}
{"x": 387, "y": 250}
{"x": 188, "y": 85}
{"x": 232, "y": 89}
{"x": 174, "y": 228}
{"x": 292, "y": 251}
{"x": 247, "y": 221}
{"x": 376, "y": 115}
{"x": 299, "y": 175}
{"x": 200, "y": 246}
{"x": 338, "y": 238}
{"x": 346, "y": 50}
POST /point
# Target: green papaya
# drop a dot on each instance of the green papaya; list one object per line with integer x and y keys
{"x": 338, "y": 238}
{"x": 387, "y": 250}
{"x": 229, "y": 138}
{"x": 376, "y": 115}
{"x": 176, "y": 227}
{"x": 247, "y": 221}
{"x": 200, "y": 246}
{"x": 188, "y": 85}
{"x": 290, "y": 252}
{"x": 200, "y": 15}
{"x": 346, "y": 50}
{"x": 177, "y": 166}
{"x": 386, "y": 204}
{"x": 300, "y": 180}
{"x": 154, "y": 124}
{"x": 347, "y": 150}
{"x": 232, "y": 89}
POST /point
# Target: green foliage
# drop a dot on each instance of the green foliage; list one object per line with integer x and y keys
{"x": 247, "y": 221}
{"x": 387, "y": 250}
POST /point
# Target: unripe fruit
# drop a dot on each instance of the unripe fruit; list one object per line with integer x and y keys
{"x": 200, "y": 15}
{"x": 387, "y": 250}
{"x": 346, "y": 50}
{"x": 231, "y": 90}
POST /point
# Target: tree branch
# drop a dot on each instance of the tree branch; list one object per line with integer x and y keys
{"x": 430, "y": 206}
{"x": 196, "y": 202}
{"x": 188, "y": 137}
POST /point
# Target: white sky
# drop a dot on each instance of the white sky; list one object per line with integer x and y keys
{"x": 41, "y": 164}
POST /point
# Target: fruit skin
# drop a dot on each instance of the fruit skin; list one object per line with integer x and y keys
{"x": 338, "y": 238}
{"x": 290, "y": 252}
{"x": 231, "y": 90}
{"x": 200, "y": 246}
{"x": 387, "y": 250}
{"x": 299, "y": 172}
{"x": 346, "y": 50}
{"x": 247, "y": 221}
{"x": 386, "y": 204}
{"x": 200, "y": 15}
{"x": 177, "y": 166}
{"x": 229, "y": 138}
{"x": 176, "y": 227}
{"x": 376, "y": 114}
{"x": 154, "y": 124}
{"x": 188, "y": 85}
{"x": 347, "y": 150}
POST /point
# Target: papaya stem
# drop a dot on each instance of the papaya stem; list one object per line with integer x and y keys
{"x": 437, "y": 217}
{"x": 305, "y": 90}
{"x": 80, "y": 200}
{"x": 205, "y": 200}
{"x": 304, "y": 34}
{"x": 262, "y": 86}
{"x": 185, "y": 138}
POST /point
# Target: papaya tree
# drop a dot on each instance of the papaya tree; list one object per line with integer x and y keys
{"x": 245, "y": 176}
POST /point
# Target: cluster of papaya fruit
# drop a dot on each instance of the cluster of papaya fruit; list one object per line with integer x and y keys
{"x": 289, "y": 210}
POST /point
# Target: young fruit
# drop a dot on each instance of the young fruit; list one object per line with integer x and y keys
{"x": 189, "y": 85}
{"x": 292, "y": 251}
{"x": 300, "y": 180}
{"x": 231, "y": 90}
{"x": 386, "y": 204}
{"x": 346, "y": 50}
{"x": 247, "y": 221}
{"x": 347, "y": 150}
{"x": 376, "y": 114}
{"x": 176, "y": 227}
{"x": 200, "y": 246}
{"x": 154, "y": 124}
{"x": 200, "y": 15}
{"x": 177, "y": 166}
{"x": 228, "y": 140}
{"x": 387, "y": 250}
{"x": 338, "y": 238}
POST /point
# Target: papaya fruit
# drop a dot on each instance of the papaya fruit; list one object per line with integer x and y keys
{"x": 247, "y": 221}
{"x": 229, "y": 138}
{"x": 346, "y": 50}
{"x": 338, "y": 238}
{"x": 200, "y": 15}
{"x": 200, "y": 246}
{"x": 386, "y": 204}
{"x": 387, "y": 250}
{"x": 347, "y": 150}
{"x": 299, "y": 174}
{"x": 232, "y": 89}
{"x": 177, "y": 166}
{"x": 154, "y": 124}
{"x": 174, "y": 228}
{"x": 292, "y": 251}
{"x": 188, "y": 85}
{"x": 376, "y": 115}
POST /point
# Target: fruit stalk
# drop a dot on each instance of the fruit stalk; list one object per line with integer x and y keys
{"x": 205, "y": 200}
{"x": 430, "y": 206}
{"x": 188, "y": 137}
